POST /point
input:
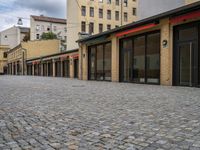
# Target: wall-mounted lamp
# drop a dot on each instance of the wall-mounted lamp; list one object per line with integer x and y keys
{"x": 164, "y": 43}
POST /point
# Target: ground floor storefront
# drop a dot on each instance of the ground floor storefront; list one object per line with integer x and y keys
{"x": 58, "y": 65}
{"x": 158, "y": 51}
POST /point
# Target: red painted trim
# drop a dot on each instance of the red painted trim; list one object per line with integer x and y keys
{"x": 75, "y": 56}
{"x": 192, "y": 15}
{"x": 136, "y": 29}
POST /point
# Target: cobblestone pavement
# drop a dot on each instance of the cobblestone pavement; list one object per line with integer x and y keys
{"x": 58, "y": 113}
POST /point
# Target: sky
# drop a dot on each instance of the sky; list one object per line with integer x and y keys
{"x": 11, "y": 10}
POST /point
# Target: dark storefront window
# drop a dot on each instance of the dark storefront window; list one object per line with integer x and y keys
{"x": 92, "y": 63}
{"x": 99, "y": 51}
{"x": 153, "y": 58}
{"x": 100, "y": 62}
{"x": 107, "y": 61}
{"x": 127, "y": 47}
{"x": 66, "y": 68}
{"x": 140, "y": 59}
{"x": 58, "y": 68}
{"x": 50, "y": 68}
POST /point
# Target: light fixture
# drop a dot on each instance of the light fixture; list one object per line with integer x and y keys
{"x": 20, "y": 21}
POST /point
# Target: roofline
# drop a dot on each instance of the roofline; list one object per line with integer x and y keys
{"x": 173, "y": 12}
{"x": 32, "y": 16}
{"x": 53, "y": 55}
{"x": 16, "y": 47}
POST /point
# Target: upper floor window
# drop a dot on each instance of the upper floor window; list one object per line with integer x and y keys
{"x": 100, "y": 13}
{"x": 109, "y": 14}
{"x": 83, "y": 11}
{"x": 134, "y": 11}
{"x": 37, "y": 27}
{"x": 83, "y": 26}
{"x": 4, "y": 55}
{"x": 117, "y": 2}
{"x": 91, "y": 11}
{"x": 108, "y": 1}
{"x": 55, "y": 28}
{"x": 125, "y": 17}
{"x": 100, "y": 28}
{"x": 108, "y": 27}
{"x": 91, "y": 28}
{"x": 125, "y": 3}
{"x": 117, "y": 15}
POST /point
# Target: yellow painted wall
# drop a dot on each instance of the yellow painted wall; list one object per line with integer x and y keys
{"x": 41, "y": 48}
{"x": 3, "y": 61}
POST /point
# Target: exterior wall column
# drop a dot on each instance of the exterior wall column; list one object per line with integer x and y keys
{"x": 33, "y": 69}
{"x": 42, "y": 69}
{"x": 71, "y": 68}
{"x": 166, "y": 54}
{"x": 61, "y": 68}
{"x": 83, "y": 62}
{"x": 54, "y": 68}
{"x": 115, "y": 60}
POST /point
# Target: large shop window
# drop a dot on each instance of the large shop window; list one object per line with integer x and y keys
{"x": 100, "y": 62}
{"x": 140, "y": 59}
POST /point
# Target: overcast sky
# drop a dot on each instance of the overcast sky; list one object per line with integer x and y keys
{"x": 10, "y": 10}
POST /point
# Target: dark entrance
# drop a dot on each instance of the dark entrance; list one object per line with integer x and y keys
{"x": 76, "y": 68}
{"x": 50, "y": 68}
{"x": 58, "y": 68}
{"x": 186, "y": 55}
{"x": 29, "y": 69}
{"x": 66, "y": 68}
{"x": 100, "y": 62}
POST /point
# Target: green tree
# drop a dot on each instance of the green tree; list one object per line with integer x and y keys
{"x": 49, "y": 35}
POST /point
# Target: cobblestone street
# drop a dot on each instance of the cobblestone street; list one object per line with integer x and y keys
{"x": 58, "y": 113}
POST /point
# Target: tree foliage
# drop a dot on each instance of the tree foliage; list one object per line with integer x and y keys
{"x": 49, "y": 35}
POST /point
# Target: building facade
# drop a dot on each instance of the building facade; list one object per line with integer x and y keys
{"x": 163, "y": 49}
{"x": 95, "y": 16}
{"x": 42, "y": 24}
{"x": 28, "y": 50}
{"x": 64, "y": 64}
{"x": 3, "y": 59}
{"x": 14, "y": 36}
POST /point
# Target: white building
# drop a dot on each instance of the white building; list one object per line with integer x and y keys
{"x": 13, "y": 36}
{"x": 95, "y": 16}
{"x": 42, "y": 24}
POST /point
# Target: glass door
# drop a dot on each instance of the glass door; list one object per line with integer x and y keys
{"x": 185, "y": 64}
{"x": 92, "y": 64}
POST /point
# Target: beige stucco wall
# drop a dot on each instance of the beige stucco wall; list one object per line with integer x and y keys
{"x": 41, "y": 48}
{"x": 3, "y": 61}
{"x": 13, "y": 37}
{"x": 75, "y": 18}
